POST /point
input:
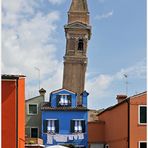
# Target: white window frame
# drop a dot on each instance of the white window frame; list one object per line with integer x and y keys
{"x": 51, "y": 120}
{"x": 141, "y": 142}
{"x": 78, "y": 120}
{"x": 34, "y": 127}
{"x": 28, "y": 108}
{"x": 139, "y": 114}
{"x": 64, "y": 104}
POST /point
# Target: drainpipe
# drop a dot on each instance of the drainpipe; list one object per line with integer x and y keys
{"x": 128, "y": 102}
{"x": 16, "y": 112}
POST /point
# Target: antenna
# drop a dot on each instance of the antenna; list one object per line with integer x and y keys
{"x": 36, "y": 68}
{"x": 126, "y": 83}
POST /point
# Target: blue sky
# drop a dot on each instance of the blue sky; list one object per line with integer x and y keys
{"x": 33, "y": 36}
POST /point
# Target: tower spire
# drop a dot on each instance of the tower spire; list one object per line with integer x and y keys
{"x": 78, "y": 12}
{"x": 78, "y": 6}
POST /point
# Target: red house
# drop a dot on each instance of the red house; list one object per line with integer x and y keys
{"x": 122, "y": 125}
{"x": 13, "y": 111}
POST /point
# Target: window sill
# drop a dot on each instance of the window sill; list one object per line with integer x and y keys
{"x": 142, "y": 124}
{"x": 32, "y": 114}
{"x": 78, "y": 133}
{"x": 51, "y": 133}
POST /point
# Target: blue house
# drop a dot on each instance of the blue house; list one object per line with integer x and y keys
{"x": 63, "y": 121}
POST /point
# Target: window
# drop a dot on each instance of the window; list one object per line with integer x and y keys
{"x": 106, "y": 146}
{"x": 34, "y": 132}
{"x": 142, "y": 144}
{"x": 142, "y": 114}
{"x": 78, "y": 126}
{"x": 51, "y": 126}
{"x": 33, "y": 109}
{"x": 63, "y": 100}
{"x": 80, "y": 44}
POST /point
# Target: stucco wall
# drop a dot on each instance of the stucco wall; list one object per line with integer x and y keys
{"x": 21, "y": 113}
{"x": 34, "y": 120}
{"x": 8, "y": 114}
{"x": 64, "y": 118}
{"x": 137, "y": 131}
{"x": 116, "y": 126}
{"x": 96, "y": 132}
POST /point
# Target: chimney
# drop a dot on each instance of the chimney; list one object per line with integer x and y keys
{"x": 84, "y": 95}
{"x": 42, "y": 92}
{"x": 120, "y": 98}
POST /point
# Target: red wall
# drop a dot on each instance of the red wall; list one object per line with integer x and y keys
{"x": 137, "y": 132}
{"x": 21, "y": 113}
{"x": 116, "y": 126}
{"x": 9, "y": 113}
{"x": 96, "y": 132}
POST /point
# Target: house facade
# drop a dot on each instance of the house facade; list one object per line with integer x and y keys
{"x": 122, "y": 125}
{"x": 63, "y": 121}
{"x": 33, "y": 115}
{"x": 13, "y": 111}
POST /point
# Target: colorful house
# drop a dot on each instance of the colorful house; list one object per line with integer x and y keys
{"x": 13, "y": 111}
{"x": 122, "y": 125}
{"x": 34, "y": 121}
{"x": 63, "y": 121}
{"x": 34, "y": 116}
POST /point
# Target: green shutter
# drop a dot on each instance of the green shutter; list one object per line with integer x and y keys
{"x": 83, "y": 126}
{"x": 57, "y": 126}
{"x": 72, "y": 126}
{"x": 45, "y": 123}
{"x": 69, "y": 100}
{"x": 143, "y": 114}
{"x": 57, "y": 100}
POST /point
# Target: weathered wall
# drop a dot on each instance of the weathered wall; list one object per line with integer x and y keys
{"x": 96, "y": 132}
{"x": 116, "y": 126}
{"x": 137, "y": 131}
{"x": 34, "y": 120}
{"x": 8, "y": 114}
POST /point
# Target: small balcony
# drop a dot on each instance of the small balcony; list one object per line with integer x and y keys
{"x": 34, "y": 143}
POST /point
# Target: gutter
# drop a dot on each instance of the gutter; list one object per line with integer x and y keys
{"x": 128, "y": 102}
{"x": 16, "y": 112}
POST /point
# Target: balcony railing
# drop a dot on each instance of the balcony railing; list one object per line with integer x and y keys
{"x": 34, "y": 142}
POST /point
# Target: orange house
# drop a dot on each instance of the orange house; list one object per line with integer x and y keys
{"x": 122, "y": 125}
{"x": 13, "y": 111}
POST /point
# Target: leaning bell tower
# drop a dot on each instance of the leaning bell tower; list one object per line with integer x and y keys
{"x": 77, "y": 32}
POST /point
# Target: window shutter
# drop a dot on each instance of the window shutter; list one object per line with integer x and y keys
{"x": 143, "y": 115}
{"x": 57, "y": 126}
{"x": 69, "y": 100}
{"x": 45, "y": 123}
{"x": 57, "y": 100}
{"x": 83, "y": 126}
{"x": 72, "y": 126}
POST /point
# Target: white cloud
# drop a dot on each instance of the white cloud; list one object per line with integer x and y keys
{"x": 104, "y": 15}
{"x": 28, "y": 42}
{"x": 56, "y": 2}
{"x": 137, "y": 71}
{"x": 101, "y": 86}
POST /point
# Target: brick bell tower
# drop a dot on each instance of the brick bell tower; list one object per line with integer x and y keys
{"x": 77, "y": 32}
